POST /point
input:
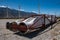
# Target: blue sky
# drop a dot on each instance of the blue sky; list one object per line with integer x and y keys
{"x": 46, "y": 6}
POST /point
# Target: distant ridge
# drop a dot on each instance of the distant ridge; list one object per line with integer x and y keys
{"x": 12, "y": 13}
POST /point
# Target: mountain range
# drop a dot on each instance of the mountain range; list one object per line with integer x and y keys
{"x": 13, "y": 13}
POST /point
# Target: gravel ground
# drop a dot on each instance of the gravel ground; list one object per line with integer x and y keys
{"x": 47, "y": 34}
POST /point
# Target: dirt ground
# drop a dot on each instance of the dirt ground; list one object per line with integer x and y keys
{"x": 47, "y": 34}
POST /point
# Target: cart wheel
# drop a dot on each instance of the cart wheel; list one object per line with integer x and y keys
{"x": 10, "y": 26}
{"x": 22, "y": 28}
{"x": 7, "y": 25}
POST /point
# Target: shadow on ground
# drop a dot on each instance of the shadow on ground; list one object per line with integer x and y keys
{"x": 30, "y": 35}
{"x": 35, "y": 33}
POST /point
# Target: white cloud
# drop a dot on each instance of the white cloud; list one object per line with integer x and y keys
{"x": 22, "y": 9}
{"x": 34, "y": 12}
{"x": 3, "y": 6}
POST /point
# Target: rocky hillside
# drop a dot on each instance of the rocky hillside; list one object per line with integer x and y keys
{"x": 12, "y": 13}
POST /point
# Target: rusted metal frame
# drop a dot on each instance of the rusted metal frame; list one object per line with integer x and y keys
{"x": 44, "y": 20}
{"x": 55, "y": 19}
{"x": 34, "y": 15}
{"x": 51, "y": 18}
{"x": 51, "y": 22}
{"x": 34, "y": 23}
{"x": 48, "y": 19}
{"x": 43, "y": 25}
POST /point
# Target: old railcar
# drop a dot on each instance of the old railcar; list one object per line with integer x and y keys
{"x": 33, "y": 23}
